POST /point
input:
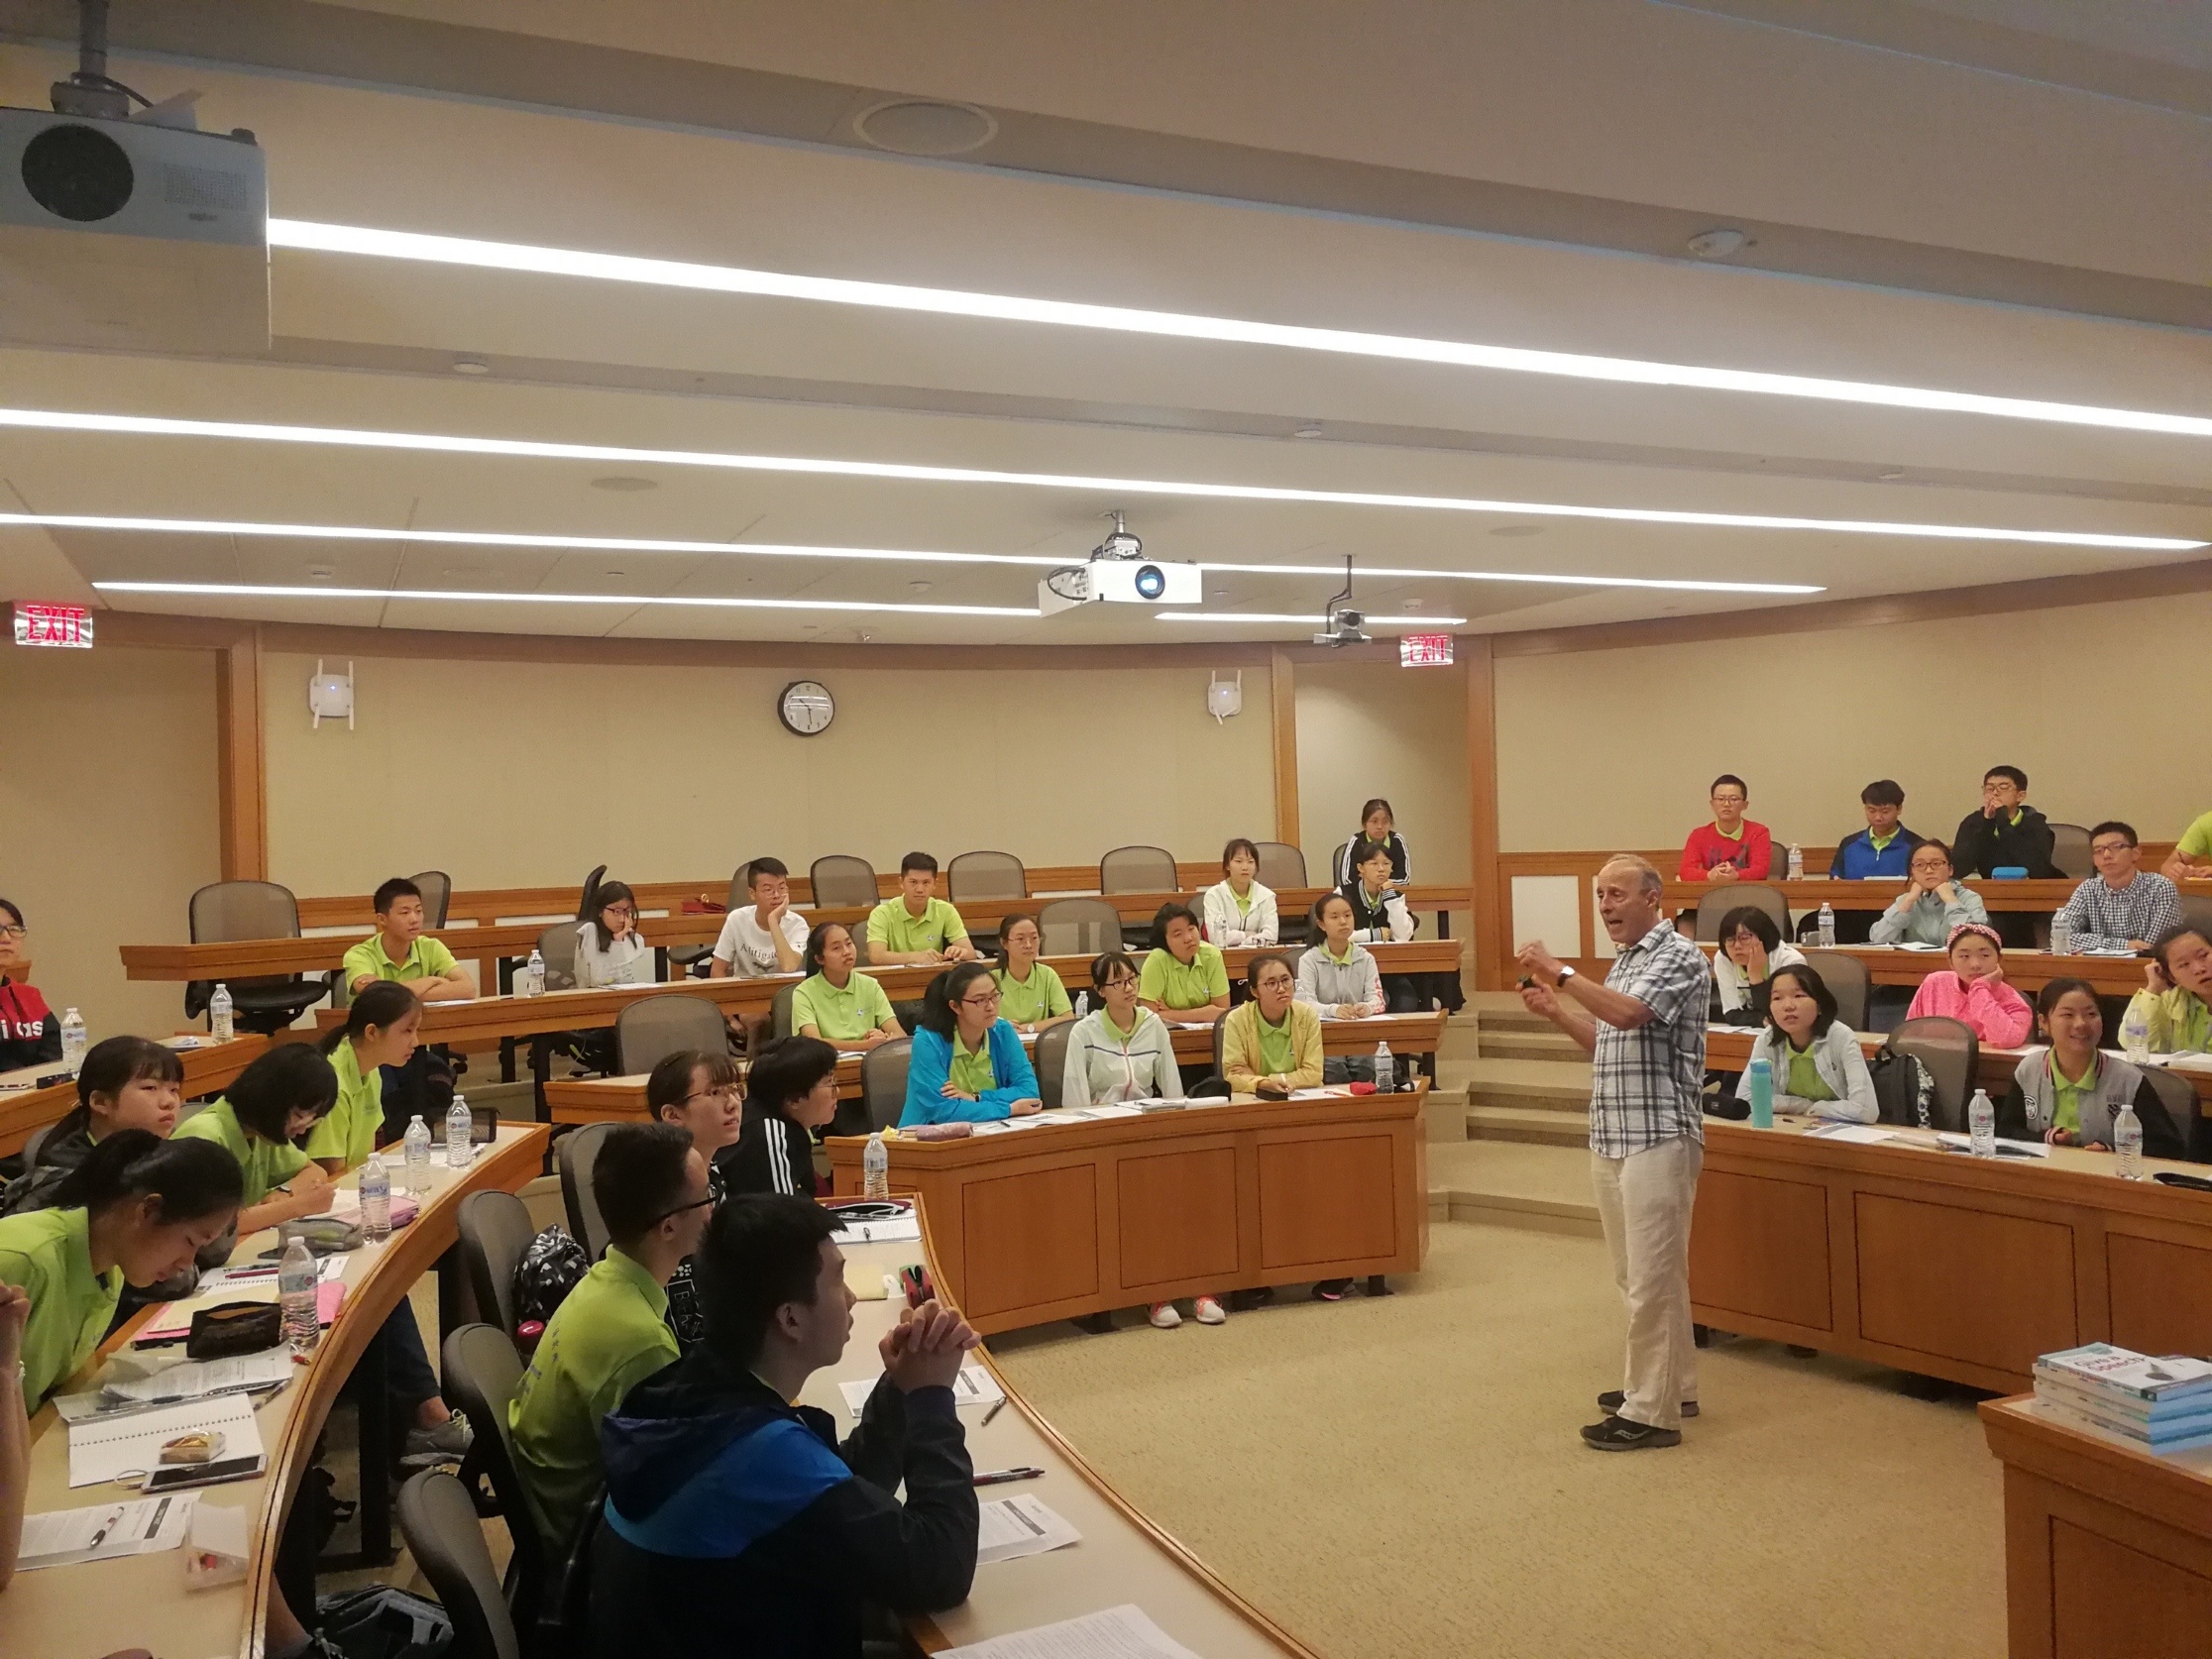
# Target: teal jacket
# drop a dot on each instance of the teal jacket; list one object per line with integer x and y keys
{"x": 931, "y": 1063}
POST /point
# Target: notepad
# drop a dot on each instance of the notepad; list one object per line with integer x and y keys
{"x": 1122, "y": 1633}
{"x": 201, "y": 1379}
{"x": 106, "y": 1450}
{"x": 104, "y": 1531}
{"x": 1017, "y": 1526}
{"x": 973, "y": 1387}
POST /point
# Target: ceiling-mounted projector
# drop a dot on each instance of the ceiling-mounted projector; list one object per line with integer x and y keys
{"x": 1118, "y": 573}
{"x": 1340, "y": 624}
{"x": 139, "y": 231}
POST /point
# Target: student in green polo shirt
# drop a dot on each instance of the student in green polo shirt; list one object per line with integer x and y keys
{"x": 1184, "y": 978}
{"x": 2191, "y": 857}
{"x": 917, "y": 928}
{"x": 611, "y": 1332}
{"x": 281, "y": 1096}
{"x": 398, "y": 950}
{"x": 2177, "y": 999}
{"x": 2070, "y": 1092}
{"x": 836, "y": 1002}
{"x": 1031, "y": 995}
{"x": 380, "y": 1031}
{"x": 1272, "y": 1044}
{"x": 137, "y": 1210}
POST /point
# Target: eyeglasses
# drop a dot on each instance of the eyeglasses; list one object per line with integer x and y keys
{"x": 727, "y": 1091}
{"x": 695, "y": 1204}
{"x": 2099, "y": 848}
{"x": 1117, "y": 984}
{"x": 13, "y": 930}
{"x": 986, "y": 1000}
{"x": 624, "y": 911}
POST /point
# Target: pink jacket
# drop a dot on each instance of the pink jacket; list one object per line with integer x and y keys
{"x": 2000, "y": 1014}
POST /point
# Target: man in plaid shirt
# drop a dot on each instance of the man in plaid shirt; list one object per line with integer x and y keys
{"x": 2120, "y": 907}
{"x": 1644, "y": 1030}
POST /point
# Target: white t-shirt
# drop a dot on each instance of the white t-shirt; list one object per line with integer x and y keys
{"x": 745, "y": 945}
{"x": 628, "y": 962}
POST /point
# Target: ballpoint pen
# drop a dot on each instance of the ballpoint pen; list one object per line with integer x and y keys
{"x": 999, "y": 1477}
{"x": 106, "y": 1526}
{"x": 997, "y": 1405}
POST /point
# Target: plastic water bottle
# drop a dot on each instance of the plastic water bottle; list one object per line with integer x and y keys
{"x": 2127, "y": 1142}
{"x": 73, "y": 1040}
{"x": 875, "y": 1169}
{"x": 1981, "y": 1125}
{"x": 1796, "y": 862}
{"x": 2135, "y": 1033}
{"x": 219, "y": 1023}
{"x": 297, "y": 1293}
{"x": 459, "y": 1133}
{"x": 1385, "y": 1070}
{"x": 1824, "y": 927}
{"x": 2061, "y": 937}
{"x": 1082, "y": 1005}
{"x": 417, "y": 1150}
{"x": 376, "y": 1198}
{"x": 1759, "y": 1076}
{"x": 533, "y": 975}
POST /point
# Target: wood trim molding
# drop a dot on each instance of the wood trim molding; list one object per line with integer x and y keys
{"x": 241, "y": 764}
{"x": 1489, "y": 918}
{"x": 1283, "y": 699}
{"x": 1937, "y": 605}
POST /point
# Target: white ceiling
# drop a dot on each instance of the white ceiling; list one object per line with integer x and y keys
{"x": 1563, "y": 95}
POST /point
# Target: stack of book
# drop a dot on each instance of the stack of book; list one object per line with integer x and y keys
{"x": 2152, "y": 1404}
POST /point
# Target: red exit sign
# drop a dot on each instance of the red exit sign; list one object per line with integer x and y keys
{"x": 52, "y": 625}
{"x": 1424, "y": 650}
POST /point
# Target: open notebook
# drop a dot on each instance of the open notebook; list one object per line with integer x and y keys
{"x": 109, "y": 1449}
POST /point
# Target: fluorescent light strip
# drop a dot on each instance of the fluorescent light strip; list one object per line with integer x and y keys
{"x": 895, "y": 297}
{"x": 641, "y": 544}
{"x": 60, "y": 420}
{"x": 1310, "y": 618}
{"x": 247, "y": 590}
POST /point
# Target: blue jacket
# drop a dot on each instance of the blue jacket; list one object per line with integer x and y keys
{"x": 931, "y": 1063}
{"x": 736, "y": 1524}
{"x": 1856, "y": 861}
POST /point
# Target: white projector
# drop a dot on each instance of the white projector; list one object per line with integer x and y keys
{"x": 1119, "y": 582}
{"x": 131, "y": 234}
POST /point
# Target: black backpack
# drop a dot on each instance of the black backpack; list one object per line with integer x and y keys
{"x": 1904, "y": 1092}
{"x": 550, "y": 1269}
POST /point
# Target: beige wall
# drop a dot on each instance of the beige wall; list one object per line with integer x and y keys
{"x": 1368, "y": 728}
{"x": 516, "y": 774}
{"x": 1609, "y": 749}
{"x": 107, "y": 818}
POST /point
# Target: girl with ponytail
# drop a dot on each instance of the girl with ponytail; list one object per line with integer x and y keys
{"x": 380, "y": 1031}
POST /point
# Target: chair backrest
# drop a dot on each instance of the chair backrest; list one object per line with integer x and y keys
{"x": 479, "y": 1375}
{"x": 985, "y": 875}
{"x": 496, "y": 1229}
{"x": 1137, "y": 869}
{"x": 579, "y": 1148}
{"x": 779, "y": 1011}
{"x": 842, "y": 879}
{"x": 651, "y": 1028}
{"x": 438, "y": 1519}
{"x": 1731, "y": 894}
{"x": 437, "y": 896}
{"x": 2185, "y": 1125}
{"x": 1949, "y": 1049}
{"x": 1050, "y": 1057}
{"x": 1281, "y": 865}
{"x": 883, "y": 1080}
{"x": 738, "y": 894}
{"x": 1338, "y": 874}
{"x": 30, "y": 1144}
{"x": 235, "y": 909}
{"x": 2070, "y": 851}
{"x": 2197, "y": 912}
{"x": 1847, "y": 977}
{"x": 1078, "y": 928}
{"x": 557, "y": 945}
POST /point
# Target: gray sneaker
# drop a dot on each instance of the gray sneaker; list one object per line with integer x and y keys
{"x": 1612, "y": 1399}
{"x": 449, "y": 1442}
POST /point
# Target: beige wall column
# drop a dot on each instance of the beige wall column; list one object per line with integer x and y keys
{"x": 1491, "y": 944}
{"x": 242, "y": 776}
{"x": 1282, "y": 702}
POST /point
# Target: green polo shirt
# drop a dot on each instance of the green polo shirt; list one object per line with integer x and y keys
{"x": 1880, "y": 844}
{"x": 891, "y": 926}
{"x": 1171, "y": 984}
{"x": 1278, "y": 1049}
{"x": 608, "y": 1336}
{"x": 350, "y": 1132}
{"x": 1040, "y": 997}
{"x": 2196, "y": 840}
{"x": 48, "y": 1254}
{"x": 426, "y": 958}
{"x": 265, "y": 1164}
{"x": 971, "y": 1073}
{"x": 855, "y": 1011}
{"x": 2065, "y": 1108}
{"x": 1804, "y": 1081}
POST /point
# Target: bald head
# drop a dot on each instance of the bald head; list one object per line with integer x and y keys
{"x": 1628, "y": 892}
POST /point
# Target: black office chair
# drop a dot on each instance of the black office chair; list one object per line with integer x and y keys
{"x": 1050, "y": 1057}
{"x": 1847, "y": 977}
{"x": 2183, "y": 1134}
{"x": 1950, "y": 1052}
{"x": 883, "y": 1081}
{"x": 577, "y": 1151}
{"x": 496, "y": 1229}
{"x": 653, "y": 1028}
{"x": 479, "y": 1375}
{"x": 439, "y": 1521}
{"x": 1138, "y": 870}
{"x": 1078, "y": 928}
{"x": 841, "y": 879}
{"x": 779, "y": 1012}
{"x": 684, "y": 956}
{"x": 226, "y": 912}
{"x": 437, "y": 896}
{"x": 1281, "y": 866}
{"x": 985, "y": 875}
{"x": 2070, "y": 851}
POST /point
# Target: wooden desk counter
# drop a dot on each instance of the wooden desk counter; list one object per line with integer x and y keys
{"x": 575, "y": 1100}
{"x": 1728, "y": 1049}
{"x": 2108, "y": 1550}
{"x": 1938, "y": 1262}
{"x": 1878, "y": 895}
{"x": 209, "y": 1067}
{"x": 142, "y": 1600}
{"x": 2027, "y": 972}
{"x": 1074, "y": 1218}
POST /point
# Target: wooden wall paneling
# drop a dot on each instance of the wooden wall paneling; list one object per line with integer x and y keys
{"x": 1492, "y": 904}
{"x": 1282, "y": 702}
{"x": 1972, "y": 1285}
{"x": 1056, "y": 1210}
{"x": 242, "y": 791}
{"x": 1316, "y": 1199}
{"x": 2160, "y": 1292}
{"x": 1788, "y": 1280}
{"x": 2028, "y": 1497}
{"x": 2115, "y": 1589}
{"x": 1177, "y": 1216}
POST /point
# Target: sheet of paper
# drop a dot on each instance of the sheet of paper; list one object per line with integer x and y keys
{"x": 898, "y": 1230}
{"x": 1316, "y": 1094}
{"x": 1122, "y": 1633}
{"x": 62, "y": 1537}
{"x": 973, "y": 1387}
{"x": 194, "y": 1380}
{"x": 1954, "y": 1142}
{"x": 1858, "y": 1134}
{"x": 1017, "y": 1526}
{"x": 103, "y": 1450}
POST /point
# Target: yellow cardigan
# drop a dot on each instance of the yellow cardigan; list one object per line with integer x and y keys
{"x": 1240, "y": 1047}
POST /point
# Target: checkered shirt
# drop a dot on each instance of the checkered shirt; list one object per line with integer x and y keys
{"x": 1646, "y": 1084}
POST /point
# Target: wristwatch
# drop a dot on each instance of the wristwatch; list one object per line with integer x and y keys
{"x": 1565, "y": 974}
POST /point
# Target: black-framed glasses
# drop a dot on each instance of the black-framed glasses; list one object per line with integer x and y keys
{"x": 695, "y": 1204}
{"x": 984, "y": 1001}
{"x": 14, "y": 930}
{"x": 724, "y": 1091}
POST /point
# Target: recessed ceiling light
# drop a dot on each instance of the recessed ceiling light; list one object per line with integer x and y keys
{"x": 465, "y": 570}
{"x": 471, "y": 366}
{"x": 613, "y": 573}
{"x": 1307, "y": 432}
{"x": 624, "y": 482}
{"x": 1306, "y": 617}
{"x": 455, "y": 444}
{"x": 925, "y": 127}
{"x": 247, "y": 590}
{"x": 1719, "y": 242}
{"x": 566, "y": 262}
{"x": 917, "y": 587}
{"x": 1517, "y": 530}
{"x": 781, "y": 550}
{"x": 323, "y": 573}
{"x": 1892, "y": 476}
{"x": 1411, "y": 605}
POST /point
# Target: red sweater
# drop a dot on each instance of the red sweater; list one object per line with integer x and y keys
{"x": 29, "y": 1035}
{"x": 1754, "y": 856}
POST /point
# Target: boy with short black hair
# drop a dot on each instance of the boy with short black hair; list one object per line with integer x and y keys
{"x": 917, "y": 928}
{"x": 399, "y": 949}
{"x": 1883, "y": 850}
{"x": 2006, "y": 833}
{"x": 1731, "y": 847}
{"x": 735, "y": 1524}
{"x": 766, "y": 936}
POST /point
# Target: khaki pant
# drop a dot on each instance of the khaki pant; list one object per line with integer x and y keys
{"x": 1645, "y": 1201}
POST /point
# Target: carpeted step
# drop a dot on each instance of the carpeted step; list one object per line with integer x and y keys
{"x": 1546, "y": 1188}
{"x": 1515, "y": 1043}
{"x": 1537, "y": 1085}
{"x": 1538, "y": 1127}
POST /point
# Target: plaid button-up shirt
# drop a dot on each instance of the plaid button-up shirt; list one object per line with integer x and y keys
{"x": 2103, "y": 919}
{"x": 1647, "y": 1084}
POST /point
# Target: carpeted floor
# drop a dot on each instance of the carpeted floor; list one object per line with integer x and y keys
{"x": 1401, "y": 1476}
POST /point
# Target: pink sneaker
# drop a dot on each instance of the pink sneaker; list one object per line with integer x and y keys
{"x": 1209, "y": 1312}
{"x": 1163, "y": 1316}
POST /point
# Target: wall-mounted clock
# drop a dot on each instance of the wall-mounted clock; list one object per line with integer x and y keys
{"x": 806, "y": 708}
